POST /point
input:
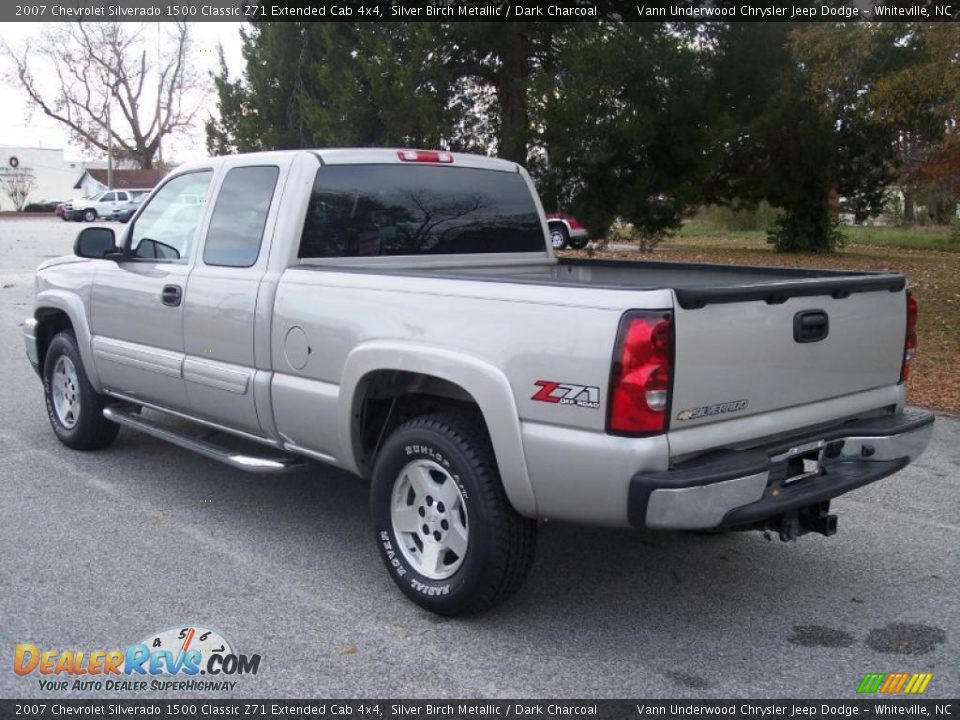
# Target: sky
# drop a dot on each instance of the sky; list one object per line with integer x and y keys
{"x": 22, "y": 126}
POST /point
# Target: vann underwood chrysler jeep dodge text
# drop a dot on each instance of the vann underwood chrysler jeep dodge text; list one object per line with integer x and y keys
{"x": 400, "y": 314}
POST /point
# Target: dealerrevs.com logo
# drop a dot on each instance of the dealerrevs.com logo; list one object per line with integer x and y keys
{"x": 173, "y": 660}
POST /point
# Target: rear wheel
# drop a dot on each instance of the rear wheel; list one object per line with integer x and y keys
{"x": 74, "y": 408}
{"x": 446, "y": 531}
{"x": 579, "y": 244}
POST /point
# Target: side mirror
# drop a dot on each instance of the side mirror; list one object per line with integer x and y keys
{"x": 96, "y": 242}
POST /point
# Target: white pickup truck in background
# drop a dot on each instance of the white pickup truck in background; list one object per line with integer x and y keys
{"x": 400, "y": 314}
{"x": 102, "y": 205}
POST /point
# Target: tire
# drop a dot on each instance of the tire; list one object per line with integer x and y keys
{"x": 579, "y": 244}
{"x": 89, "y": 215}
{"x": 559, "y": 237}
{"x": 450, "y": 457}
{"x": 74, "y": 408}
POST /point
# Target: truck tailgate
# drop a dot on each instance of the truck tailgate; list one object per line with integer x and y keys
{"x": 738, "y": 358}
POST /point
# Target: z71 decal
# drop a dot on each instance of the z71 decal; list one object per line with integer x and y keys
{"x": 586, "y": 396}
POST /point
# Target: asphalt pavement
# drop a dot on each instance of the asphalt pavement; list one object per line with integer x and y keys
{"x": 100, "y": 550}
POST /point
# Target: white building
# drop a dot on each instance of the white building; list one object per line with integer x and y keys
{"x": 53, "y": 175}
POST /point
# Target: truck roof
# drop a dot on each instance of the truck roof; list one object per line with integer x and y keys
{"x": 358, "y": 156}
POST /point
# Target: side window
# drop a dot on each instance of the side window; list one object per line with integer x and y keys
{"x": 122, "y": 196}
{"x": 167, "y": 225}
{"x": 239, "y": 216}
{"x": 107, "y": 197}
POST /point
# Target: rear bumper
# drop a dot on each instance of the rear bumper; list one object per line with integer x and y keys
{"x": 742, "y": 488}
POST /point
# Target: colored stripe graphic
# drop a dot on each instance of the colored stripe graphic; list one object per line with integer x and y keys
{"x": 871, "y": 682}
{"x": 894, "y": 683}
{"x": 922, "y": 684}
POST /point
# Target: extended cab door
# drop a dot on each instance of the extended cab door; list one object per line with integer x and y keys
{"x": 136, "y": 305}
{"x": 220, "y": 320}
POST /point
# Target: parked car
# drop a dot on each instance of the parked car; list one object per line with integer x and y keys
{"x": 59, "y": 210}
{"x": 566, "y": 232}
{"x": 123, "y": 213}
{"x": 100, "y": 205}
{"x": 401, "y": 315}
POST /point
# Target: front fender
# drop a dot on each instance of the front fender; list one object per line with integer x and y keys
{"x": 72, "y": 305}
{"x": 487, "y": 385}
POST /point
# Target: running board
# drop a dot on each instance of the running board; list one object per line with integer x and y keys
{"x": 124, "y": 415}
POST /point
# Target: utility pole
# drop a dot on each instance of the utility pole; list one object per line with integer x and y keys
{"x": 109, "y": 143}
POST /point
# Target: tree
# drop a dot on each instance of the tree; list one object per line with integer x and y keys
{"x": 458, "y": 86}
{"x": 781, "y": 138}
{"x": 903, "y": 81}
{"x": 333, "y": 84}
{"x": 77, "y": 73}
{"x": 18, "y": 184}
{"x": 624, "y": 127}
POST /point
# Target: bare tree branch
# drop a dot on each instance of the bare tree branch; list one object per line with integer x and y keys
{"x": 88, "y": 67}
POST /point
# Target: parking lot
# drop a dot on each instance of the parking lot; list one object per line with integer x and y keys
{"x": 100, "y": 550}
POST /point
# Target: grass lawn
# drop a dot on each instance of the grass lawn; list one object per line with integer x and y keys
{"x": 933, "y": 275}
{"x": 932, "y": 238}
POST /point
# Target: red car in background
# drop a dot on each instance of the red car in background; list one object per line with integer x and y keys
{"x": 567, "y": 232}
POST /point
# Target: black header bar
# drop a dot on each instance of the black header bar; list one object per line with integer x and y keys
{"x": 465, "y": 11}
{"x": 437, "y": 709}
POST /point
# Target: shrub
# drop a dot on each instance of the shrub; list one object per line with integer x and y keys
{"x": 726, "y": 217}
{"x": 810, "y": 229}
{"x": 40, "y": 207}
{"x": 621, "y": 232}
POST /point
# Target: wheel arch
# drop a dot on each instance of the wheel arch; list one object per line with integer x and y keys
{"x": 57, "y": 311}
{"x": 451, "y": 377}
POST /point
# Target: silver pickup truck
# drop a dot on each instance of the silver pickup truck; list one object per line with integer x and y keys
{"x": 400, "y": 314}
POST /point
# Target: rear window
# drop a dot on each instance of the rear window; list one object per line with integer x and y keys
{"x": 377, "y": 210}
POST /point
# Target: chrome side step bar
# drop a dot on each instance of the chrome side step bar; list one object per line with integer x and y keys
{"x": 123, "y": 415}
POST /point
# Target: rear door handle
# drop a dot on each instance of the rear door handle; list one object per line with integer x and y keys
{"x": 171, "y": 295}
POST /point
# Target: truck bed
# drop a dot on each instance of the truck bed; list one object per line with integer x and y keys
{"x": 695, "y": 284}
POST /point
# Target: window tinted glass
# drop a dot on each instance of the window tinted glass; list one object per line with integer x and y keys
{"x": 107, "y": 197}
{"x": 121, "y": 196}
{"x": 166, "y": 228}
{"x": 369, "y": 210}
{"x": 239, "y": 216}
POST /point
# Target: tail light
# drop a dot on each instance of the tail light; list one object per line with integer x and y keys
{"x": 910, "y": 341}
{"x": 425, "y": 156}
{"x": 642, "y": 374}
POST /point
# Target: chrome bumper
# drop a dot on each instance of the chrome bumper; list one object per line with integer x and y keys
{"x": 738, "y": 488}
{"x": 30, "y": 341}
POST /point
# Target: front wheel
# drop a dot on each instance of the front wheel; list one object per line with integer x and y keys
{"x": 447, "y": 533}
{"x": 89, "y": 214}
{"x": 74, "y": 408}
{"x": 559, "y": 237}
